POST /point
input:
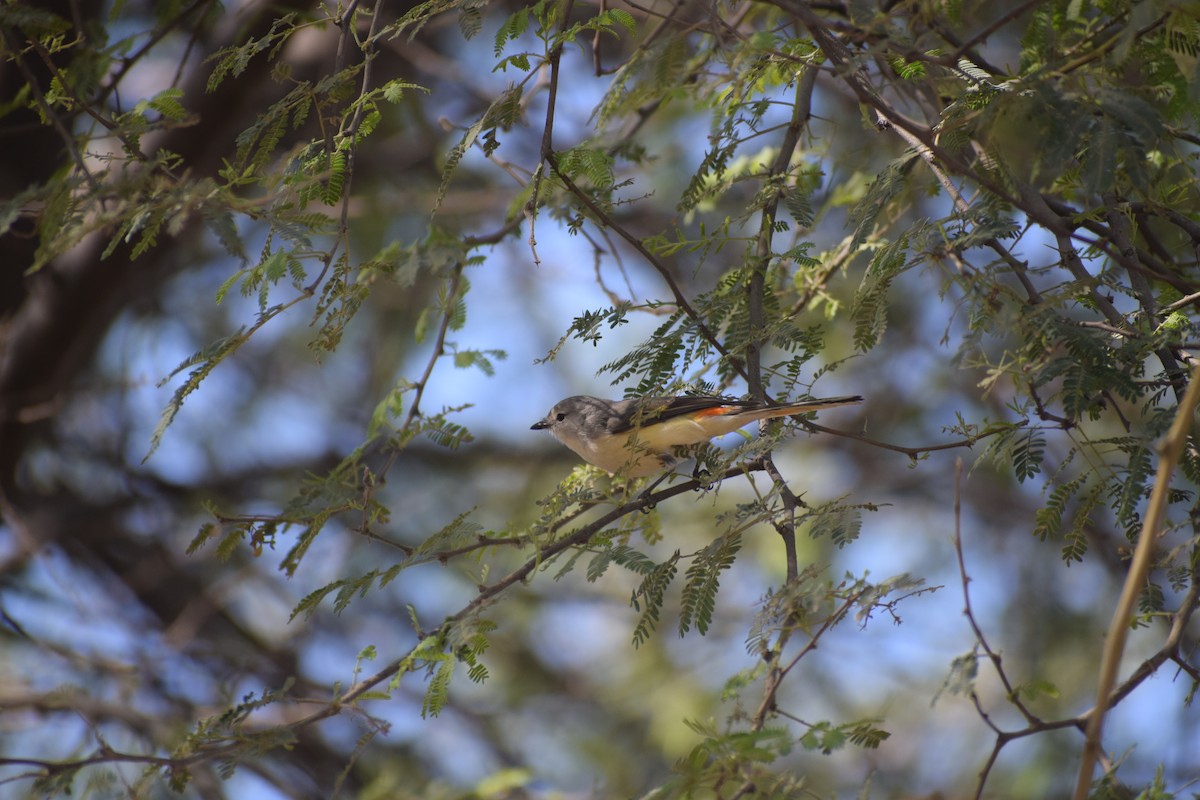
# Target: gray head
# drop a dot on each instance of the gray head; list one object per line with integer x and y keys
{"x": 580, "y": 419}
{"x": 598, "y": 431}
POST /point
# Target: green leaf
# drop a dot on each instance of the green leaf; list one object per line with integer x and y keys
{"x": 438, "y": 693}
{"x": 205, "y": 361}
{"x": 650, "y": 595}
{"x": 232, "y": 61}
{"x": 33, "y": 21}
{"x": 799, "y": 204}
{"x": 446, "y": 434}
{"x": 841, "y": 524}
{"x": 1028, "y": 450}
{"x": 470, "y": 22}
{"x": 165, "y": 103}
{"x": 702, "y": 581}
{"x": 1100, "y": 158}
{"x": 869, "y": 307}
{"x": 1032, "y": 690}
{"x": 882, "y": 191}
{"x": 393, "y": 91}
{"x": 622, "y": 554}
{"x": 512, "y": 28}
{"x": 459, "y": 531}
{"x": 464, "y": 359}
{"x": 623, "y": 17}
{"x": 960, "y": 681}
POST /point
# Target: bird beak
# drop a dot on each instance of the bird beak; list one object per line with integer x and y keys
{"x": 540, "y": 425}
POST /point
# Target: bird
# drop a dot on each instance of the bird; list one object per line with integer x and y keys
{"x": 636, "y": 437}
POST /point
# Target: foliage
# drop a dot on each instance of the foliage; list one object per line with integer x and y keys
{"x": 792, "y": 197}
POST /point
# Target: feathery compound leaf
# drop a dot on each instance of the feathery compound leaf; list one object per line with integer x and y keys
{"x": 447, "y": 434}
{"x": 827, "y": 737}
{"x": 702, "y": 581}
{"x": 506, "y": 110}
{"x": 166, "y": 103}
{"x": 975, "y": 73}
{"x": 864, "y": 734}
{"x": 503, "y": 112}
{"x": 335, "y": 178}
{"x": 840, "y": 523}
{"x": 886, "y": 186}
{"x": 621, "y": 17}
{"x": 650, "y": 594}
{"x": 221, "y": 223}
{"x": 346, "y": 590}
{"x": 470, "y": 22}
{"x": 960, "y": 680}
{"x": 869, "y": 307}
{"x": 1048, "y": 520}
{"x": 232, "y": 61}
{"x": 206, "y": 532}
{"x": 1134, "y": 485}
{"x": 459, "y": 531}
{"x": 654, "y": 360}
{"x": 593, "y": 162}
{"x": 798, "y": 203}
{"x": 438, "y": 693}
{"x": 464, "y": 359}
{"x": 207, "y": 359}
{"x": 33, "y": 21}
{"x": 622, "y": 554}
{"x": 999, "y": 447}
{"x": 1027, "y": 452}
{"x": 511, "y": 29}
{"x": 1076, "y": 545}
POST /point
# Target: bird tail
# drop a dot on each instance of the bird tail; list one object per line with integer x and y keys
{"x": 806, "y": 406}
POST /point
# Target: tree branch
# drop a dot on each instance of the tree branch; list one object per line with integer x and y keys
{"x": 677, "y": 293}
{"x": 1169, "y": 453}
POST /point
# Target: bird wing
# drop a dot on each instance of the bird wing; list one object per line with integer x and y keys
{"x": 648, "y": 410}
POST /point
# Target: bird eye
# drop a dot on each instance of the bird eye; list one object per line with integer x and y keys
{"x": 560, "y": 416}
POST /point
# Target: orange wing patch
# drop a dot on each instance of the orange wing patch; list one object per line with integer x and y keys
{"x": 715, "y": 411}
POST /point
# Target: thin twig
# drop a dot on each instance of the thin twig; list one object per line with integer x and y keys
{"x": 489, "y": 592}
{"x": 1010, "y": 693}
{"x": 345, "y": 700}
{"x": 680, "y": 300}
{"x": 547, "y": 149}
{"x": 439, "y": 346}
{"x": 130, "y": 61}
{"x": 756, "y": 285}
{"x": 778, "y": 673}
{"x": 351, "y": 132}
{"x": 1169, "y": 452}
{"x": 982, "y": 36}
{"x": 131, "y": 146}
{"x": 40, "y": 98}
{"x": 1168, "y": 652}
{"x": 911, "y": 452}
{"x": 785, "y": 523}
